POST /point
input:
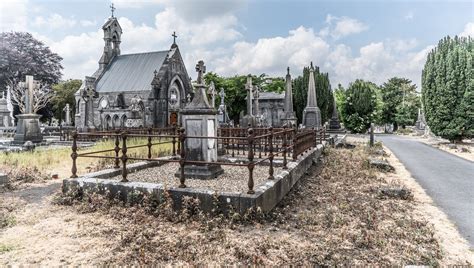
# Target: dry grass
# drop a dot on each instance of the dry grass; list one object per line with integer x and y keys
{"x": 335, "y": 218}
{"x": 42, "y": 163}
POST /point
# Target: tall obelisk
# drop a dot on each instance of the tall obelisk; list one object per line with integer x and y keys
{"x": 312, "y": 114}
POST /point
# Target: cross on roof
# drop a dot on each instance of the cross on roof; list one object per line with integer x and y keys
{"x": 112, "y": 9}
{"x": 174, "y": 37}
{"x": 200, "y": 69}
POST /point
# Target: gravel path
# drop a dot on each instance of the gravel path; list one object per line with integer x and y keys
{"x": 234, "y": 178}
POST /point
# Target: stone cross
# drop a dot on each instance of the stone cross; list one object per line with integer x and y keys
{"x": 67, "y": 109}
{"x": 200, "y": 69}
{"x": 112, "y": 9}
{"x": 222, "y": 95}
{"x": 30, "y": 83}
{"x": 174, "y": 37}
{"x": 249, "y": 87}
{"x": 212, "y": 92}
{"x": 256, "y": 96}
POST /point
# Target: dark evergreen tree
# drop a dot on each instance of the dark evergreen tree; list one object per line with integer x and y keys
{"x": 448, "y": 88}
{"x": 394, "y": 92}
{"x": 359, "y": 107}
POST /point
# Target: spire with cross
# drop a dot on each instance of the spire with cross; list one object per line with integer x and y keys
{"x": 174, "y": 45}
{"x": 112, "y": 9}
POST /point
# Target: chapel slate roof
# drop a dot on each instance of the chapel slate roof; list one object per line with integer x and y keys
{"x": 271, "y": 95}
{"x": 131, "y": 72}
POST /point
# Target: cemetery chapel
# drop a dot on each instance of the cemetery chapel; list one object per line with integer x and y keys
{"x": 132, "y": 90}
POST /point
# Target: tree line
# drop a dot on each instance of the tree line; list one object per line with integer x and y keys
{"x": 447, "y": 93}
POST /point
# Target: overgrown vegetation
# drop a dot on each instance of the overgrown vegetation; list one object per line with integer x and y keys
{"x": 335, "y": 216}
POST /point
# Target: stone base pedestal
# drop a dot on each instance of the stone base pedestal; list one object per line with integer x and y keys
{"x": 248, "y": 121}
{"x": 28, "y": 129}
{"x": 3, "y": 179}
{"x": 334, "y": 124}
{"x": 202, "y": 172}
{"x": 312, "y": 117}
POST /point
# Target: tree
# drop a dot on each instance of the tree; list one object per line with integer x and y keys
{"x": 64, "y": 94}
{"x": 393, "y": 93}
{"x": 323, "y": 93}
{"x": 403, "y": 116}
{"x": 41, "y": 96}
{"x": 448, "y": 88}
{"x": 20, "y": 55}
{"x": 359, "y": 107}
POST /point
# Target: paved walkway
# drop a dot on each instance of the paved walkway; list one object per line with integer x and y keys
{"x": 448, "y": 179}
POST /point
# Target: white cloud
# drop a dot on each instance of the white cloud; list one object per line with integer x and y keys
{"x": 187, "y": 9}
{"x": 376, "y": 62}
{"x": 468, "y": 30}
{"x": 409, "y": 15}
{"x": 339, "y": 27}
{"x": 272, "y": 55}
{"x": 54, "y": 21}
{"x": 88, "y": 23}
{"x": 13, "y": 15}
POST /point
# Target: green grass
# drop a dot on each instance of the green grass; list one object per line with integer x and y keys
{"x": 5, "y": 248}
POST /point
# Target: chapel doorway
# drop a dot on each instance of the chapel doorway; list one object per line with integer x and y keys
{"x": 173, "y": 118}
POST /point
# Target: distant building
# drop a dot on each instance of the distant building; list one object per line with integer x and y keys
{"x": 133, "y": 90}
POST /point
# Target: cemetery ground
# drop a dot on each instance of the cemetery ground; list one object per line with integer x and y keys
{"x": 339, "y": 213}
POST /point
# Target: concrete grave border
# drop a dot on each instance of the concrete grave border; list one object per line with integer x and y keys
{"x": 267, "y": 194}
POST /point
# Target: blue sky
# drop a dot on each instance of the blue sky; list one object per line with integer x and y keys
{"x": 373, "y": 40}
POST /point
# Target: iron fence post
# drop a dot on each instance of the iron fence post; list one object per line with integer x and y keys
{"x": 182, "y": 139}
{"x": 270, "y": 157}
{"x": 285, "y": 145}
{"x": 149, "y": 143}
{"x": 74, "y": 155}
{"x": 124, "y": 157}
{"x": 251, "y": 164}
{"x": 117, "y": 149}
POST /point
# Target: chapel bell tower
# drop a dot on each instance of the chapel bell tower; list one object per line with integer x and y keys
{"x": 112, "y": 39}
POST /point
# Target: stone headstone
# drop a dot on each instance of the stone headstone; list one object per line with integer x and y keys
{"x": 334, "y": 123}
{"x": 200, "y": 119}
{"x": 4, "y": 112}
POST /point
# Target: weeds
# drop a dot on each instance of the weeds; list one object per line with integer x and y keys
{"x": 333, "y": 216}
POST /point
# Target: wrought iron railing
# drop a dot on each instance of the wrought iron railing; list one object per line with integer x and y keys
{"x": 256, "y": 146}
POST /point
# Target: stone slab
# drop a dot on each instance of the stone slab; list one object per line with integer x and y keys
{"x": 267, "y": 194}
{"x": 3, "y": 179}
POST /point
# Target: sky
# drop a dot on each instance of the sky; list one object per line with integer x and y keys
{"x": 349, "y": 39}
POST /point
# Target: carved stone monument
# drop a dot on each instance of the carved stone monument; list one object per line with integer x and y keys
{"x": 222, "y": 111}
{"x": 249, "y": 119}
{"x": 420, "y": 123}
{"x": 4, "y": 112}
{"x": 28, "y": 128}
{"x": 312, "y": 114}
{"x": 290, "y": 116}
{"x": 67, "y": 111}
{"x": 334, "y": 123}
{"x": 200, "y": 119}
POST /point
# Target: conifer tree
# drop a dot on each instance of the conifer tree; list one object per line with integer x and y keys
{"x": 448, "y": 88}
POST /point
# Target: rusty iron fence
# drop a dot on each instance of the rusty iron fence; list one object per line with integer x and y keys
{"x": 256, "y": 146}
